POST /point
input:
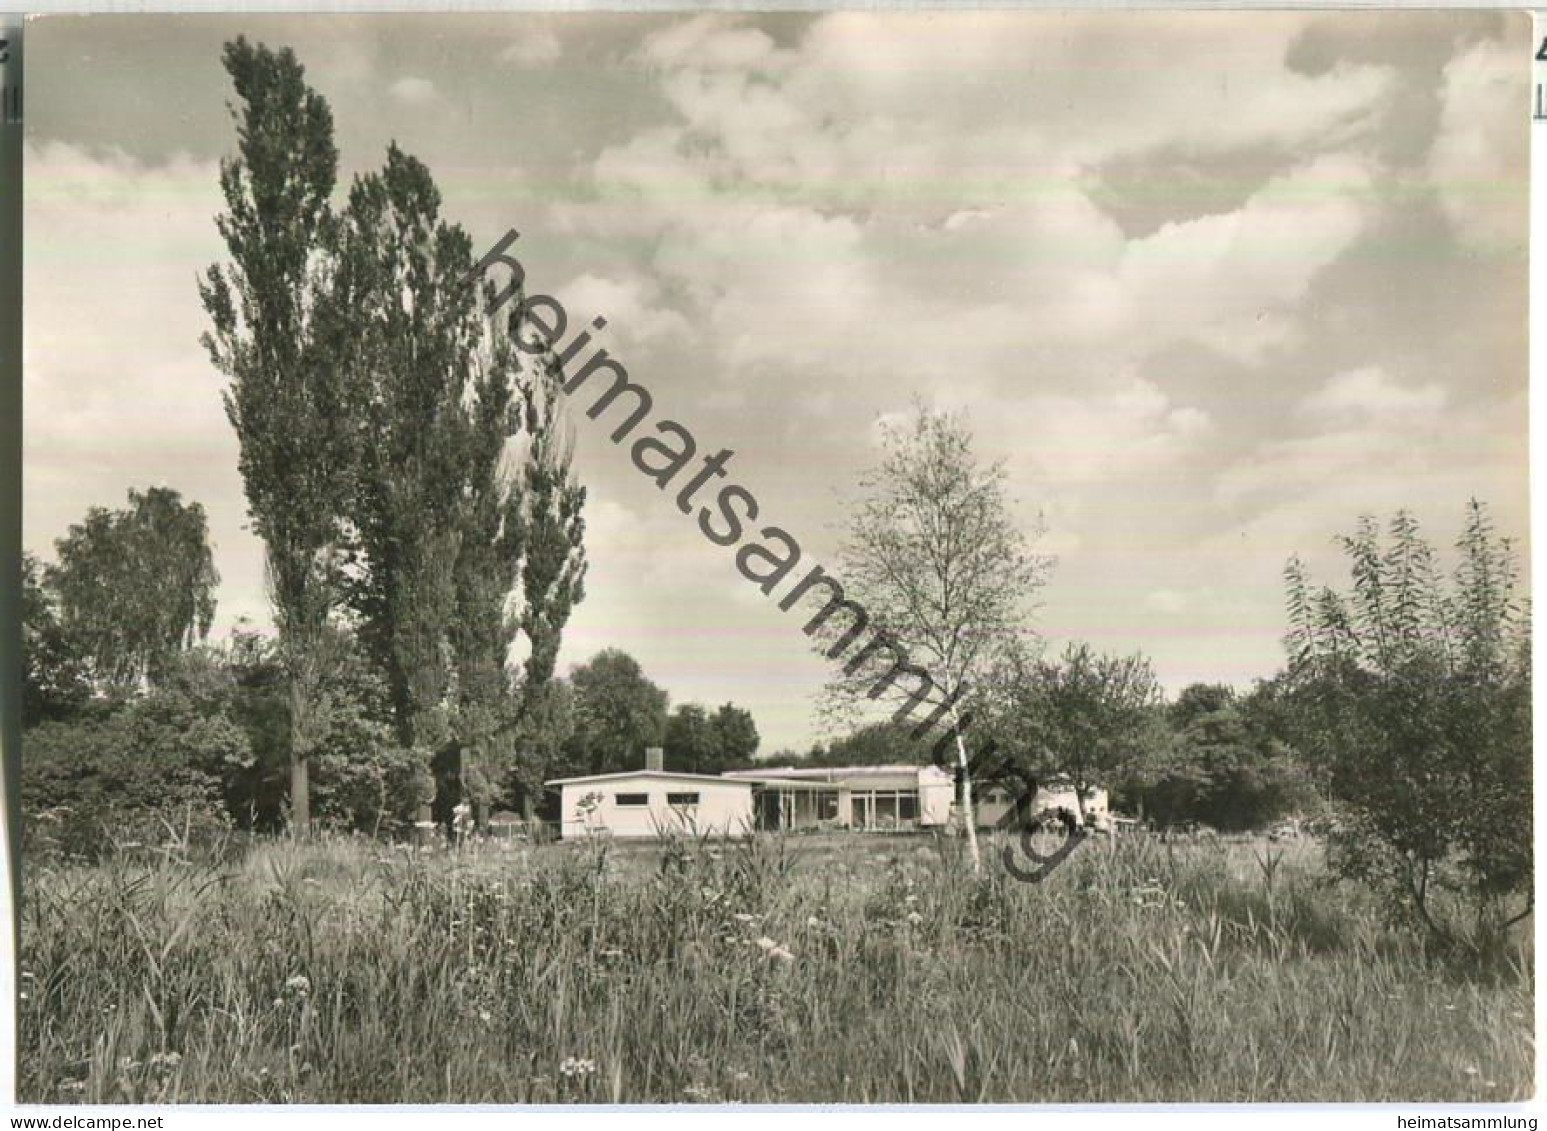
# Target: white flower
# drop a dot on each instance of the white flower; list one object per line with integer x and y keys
{"x": 766, "y": 943}
{"x": 577, "y": 1067}
{"x": 915, "y": 918}
{"x": 298, "y": 984}
{"x": 165, "y": 1061}
{"x": 782, "y": 954}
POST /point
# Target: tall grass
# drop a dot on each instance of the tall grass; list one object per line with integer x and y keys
{"x": 839, "y": 969}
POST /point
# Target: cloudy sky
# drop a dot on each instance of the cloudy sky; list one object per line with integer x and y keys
{"x": 1211, "y": 284}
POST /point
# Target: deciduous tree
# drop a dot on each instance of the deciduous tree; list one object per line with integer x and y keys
{"x": 1413, "y": 695}
{"x": 1087, "y": 717}
{"x": 618, "y": 713}
{"x": 935, "y": 557}
{"x": 280, "y": 340}
{"x": 135, "y": 587}
{"x": 56, "y": 681}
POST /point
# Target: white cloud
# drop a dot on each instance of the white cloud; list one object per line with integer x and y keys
{"x": 1171, "y": 602}
{"x": 413, "y": 91}
{"x": 632, "y": 307}
{"x": 1478, "y": 164}
{"x": 1228, "y": 279}
{"x": 713, "y": 42}
{"x": 537, "y": 47}
{"x": 1124, "y": 435}
{"x": 1368, "y": 393}
{"x": 919, "y": 170}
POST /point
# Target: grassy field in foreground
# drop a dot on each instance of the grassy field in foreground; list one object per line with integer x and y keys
{"x": 837, "y": 969}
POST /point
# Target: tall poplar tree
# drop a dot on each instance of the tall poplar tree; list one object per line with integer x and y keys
{"x": 278, "y": 342}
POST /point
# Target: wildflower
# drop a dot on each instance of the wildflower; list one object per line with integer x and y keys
{"x": 298, "y": 985}
{"x": 483, "y": 1015}
{"x": 700, "y": 1093}
{"x": 743, "y": 917}
{"x": 766, "y": 943}
{"x": 741, "y": 1077}
{"x": 610, "y": 953}
{"x": 915, "y": 918}
{"x": 74, "y": 1087}
{"x": 782, "y": 954}
{"x": 574, "y": 1068}
{"x": 165, "y": 1063}
{"x": 1470, "y": 1070}
{"x": 910, "y": 899}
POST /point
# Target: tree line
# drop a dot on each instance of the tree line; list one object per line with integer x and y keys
{"x": 135, "y": 735}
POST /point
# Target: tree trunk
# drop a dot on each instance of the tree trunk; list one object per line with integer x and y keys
{"x": 300, "y": 796}
{"x": 967, "y": 814}
{"x": 300, "y": 785}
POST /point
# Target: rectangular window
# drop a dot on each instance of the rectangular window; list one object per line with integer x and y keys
{"x": 681, "y": 800}
{"x": 631, "y": 800}
{"x": 908, "y": 806}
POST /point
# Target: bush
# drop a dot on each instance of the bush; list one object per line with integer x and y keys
{"x": 150, "y": 770}
{"x": 1413, "y": 697}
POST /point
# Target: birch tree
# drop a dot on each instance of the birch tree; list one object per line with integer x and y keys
{"x": 946, "y": 576}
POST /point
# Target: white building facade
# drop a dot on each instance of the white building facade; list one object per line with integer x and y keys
{"x": 648, "y": 803}
{"x": 652, "y": 802}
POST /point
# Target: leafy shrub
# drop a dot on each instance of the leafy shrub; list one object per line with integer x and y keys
{"x": 154, "y": 768}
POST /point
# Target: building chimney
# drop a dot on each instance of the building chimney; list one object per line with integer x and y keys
{"x": 655, "y": 758}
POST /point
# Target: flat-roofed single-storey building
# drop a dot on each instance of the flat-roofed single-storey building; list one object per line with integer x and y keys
{"x": 652, "y": 801}
{"x": 646, "y": 803}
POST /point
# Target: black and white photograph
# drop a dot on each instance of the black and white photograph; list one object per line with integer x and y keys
{"x": 706, "y": 558}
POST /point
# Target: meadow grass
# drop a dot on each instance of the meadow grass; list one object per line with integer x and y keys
{"x": 846, "y": 968}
